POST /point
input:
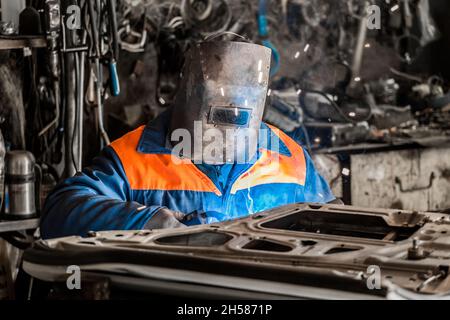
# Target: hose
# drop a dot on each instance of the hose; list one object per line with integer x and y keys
{"x": 264, "y": 34}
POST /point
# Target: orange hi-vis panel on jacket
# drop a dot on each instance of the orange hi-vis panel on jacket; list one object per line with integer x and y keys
{"x": 273, "y": 167}
{"x": 158, "y": 171}
{"x": 161, "y": 172}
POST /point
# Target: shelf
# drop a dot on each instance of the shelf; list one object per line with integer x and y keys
{"x": 405, "y": 143}
{"x": 20, "y": 42}
{"x": 17, "y": 225}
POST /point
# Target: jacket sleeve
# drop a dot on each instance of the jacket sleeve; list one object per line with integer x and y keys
{"x": 98, "y": 198}
{"x": 316, "y": 188}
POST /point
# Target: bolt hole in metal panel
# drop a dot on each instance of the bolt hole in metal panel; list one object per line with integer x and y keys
{"x": 87, "y": 242}
{"x": 342, "y": 249}
{"x": 199, "y": 239}
{"x": 308, "y": 243}
{"x": 341, "y": 224}
{"x": 266, "y": 245}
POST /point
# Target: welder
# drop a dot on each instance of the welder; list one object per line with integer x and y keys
{"x": 152, "y": 178}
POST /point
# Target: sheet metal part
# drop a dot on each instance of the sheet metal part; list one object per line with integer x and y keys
{"x": 322, "y": 246}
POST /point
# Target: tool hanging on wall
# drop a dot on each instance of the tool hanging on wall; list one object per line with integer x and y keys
{"x": 113, "y": 52}
{"x": 94, "y": 10}
{"x": 81, "y": 35}
{"x": 104, "y": 51}
{"x": 53, "y": 27}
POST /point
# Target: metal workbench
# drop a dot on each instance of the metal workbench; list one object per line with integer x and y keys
{"x": 405, "y": 174}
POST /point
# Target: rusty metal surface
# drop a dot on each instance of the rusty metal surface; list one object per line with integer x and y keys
{"x": 318, "y": 245}
{"x": 408, "y": 179}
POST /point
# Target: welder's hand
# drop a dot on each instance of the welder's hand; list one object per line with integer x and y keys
{"x": 165, "y": 218}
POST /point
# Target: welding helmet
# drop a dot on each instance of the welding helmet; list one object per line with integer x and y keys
{"x": 221, "y": 100}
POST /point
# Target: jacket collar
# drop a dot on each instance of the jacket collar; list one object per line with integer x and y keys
{"x": 153, "y": 138}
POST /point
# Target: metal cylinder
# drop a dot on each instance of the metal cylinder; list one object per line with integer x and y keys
{"x": 2, "y": 169}
{"x": 20, "y": 184}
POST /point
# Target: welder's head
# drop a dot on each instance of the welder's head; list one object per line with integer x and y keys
{"x": 221, "y": 98}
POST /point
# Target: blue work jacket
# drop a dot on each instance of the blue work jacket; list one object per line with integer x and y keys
{"x": 135, "y": 176}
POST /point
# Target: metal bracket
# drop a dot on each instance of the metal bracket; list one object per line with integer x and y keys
{"x": 415, "y": 188}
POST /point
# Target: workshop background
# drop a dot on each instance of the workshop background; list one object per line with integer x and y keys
{"x": 371, "y": 105}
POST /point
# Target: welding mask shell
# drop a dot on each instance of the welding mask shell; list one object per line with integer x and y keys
{"x": 224, "y": 88}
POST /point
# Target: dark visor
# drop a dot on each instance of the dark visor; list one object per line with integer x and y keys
{"x": 232, "y": 116}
